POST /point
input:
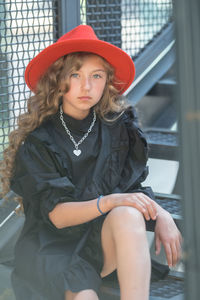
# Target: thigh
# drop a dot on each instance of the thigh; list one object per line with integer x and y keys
{"x": 119, "y": 222}
{"x": 82, "y": 295}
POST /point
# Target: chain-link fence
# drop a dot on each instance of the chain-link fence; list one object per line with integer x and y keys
{"x": 27, "y": 27}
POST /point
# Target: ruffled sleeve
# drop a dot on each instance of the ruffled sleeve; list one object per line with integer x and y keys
{"x": 135, "y": 169}
{"x": 38, "y": 180}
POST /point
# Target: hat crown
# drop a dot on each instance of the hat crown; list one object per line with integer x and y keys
{"x": 80, "y": 32}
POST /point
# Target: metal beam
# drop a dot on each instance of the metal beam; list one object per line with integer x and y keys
{"x": 155, "y": 60}
{"x": 69, "y": 14}
{"x": 187, "y": 15}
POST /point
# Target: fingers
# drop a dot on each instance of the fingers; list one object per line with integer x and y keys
{"x": 141, "y": 202}
{"x": 157, "y": 246}
{"x": 141, "y": 207}
{"x": 148, "y": 206}
{"x": 174, "y": 255}
{"x": 176, "y": 250}
{"x": 151, "y": 206}
{"x": 173, "y": 252}
{"x": 168, "y": 253}
{"x": 178, "y": 246}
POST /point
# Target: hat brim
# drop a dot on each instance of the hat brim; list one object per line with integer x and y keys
{"x": 120, "y": 60}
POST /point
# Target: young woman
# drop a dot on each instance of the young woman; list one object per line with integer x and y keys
{"x": 77, "y": 160}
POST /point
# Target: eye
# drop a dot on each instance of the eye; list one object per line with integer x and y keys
{"x": 96, "y": 76}
{"x": 74, "y": 75}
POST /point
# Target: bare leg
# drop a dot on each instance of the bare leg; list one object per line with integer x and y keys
{"x": 126, "y": 248}
{"x": 83, "y": 295}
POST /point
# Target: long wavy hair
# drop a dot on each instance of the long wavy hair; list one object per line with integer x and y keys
{"x": 46, "y": 100}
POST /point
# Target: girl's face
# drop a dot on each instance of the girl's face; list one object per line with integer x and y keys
{"x": 86, "y": 87}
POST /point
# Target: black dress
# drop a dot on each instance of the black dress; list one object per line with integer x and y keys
{"x": 49, "y": 261}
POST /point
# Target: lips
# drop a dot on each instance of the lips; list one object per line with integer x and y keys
{"x": 85, "y": 98}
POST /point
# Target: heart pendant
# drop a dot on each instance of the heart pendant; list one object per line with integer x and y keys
{"x": 77, "y": 152}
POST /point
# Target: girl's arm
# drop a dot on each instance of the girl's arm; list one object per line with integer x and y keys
{"x": 74, "y": 213}
{"x": 166, "y": 233}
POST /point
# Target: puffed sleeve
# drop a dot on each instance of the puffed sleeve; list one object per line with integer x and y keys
{"x": 38, "y": 179}
{"x": 135, "y": 169}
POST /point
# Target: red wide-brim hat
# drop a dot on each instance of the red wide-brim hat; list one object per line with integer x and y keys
{"x": 82, "y": 39}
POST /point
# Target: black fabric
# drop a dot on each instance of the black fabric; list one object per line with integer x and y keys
{"x": 49, "y": 261}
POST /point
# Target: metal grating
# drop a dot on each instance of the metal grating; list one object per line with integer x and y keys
{"x": 26, "y": 27}
{"x": 167, "y": 288}
{"x": 173, "y": 206}
{"x": 130, "y": 24}
{"x": 159, "y": 137}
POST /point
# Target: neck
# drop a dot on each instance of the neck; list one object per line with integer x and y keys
{"x": 78, "y": 115}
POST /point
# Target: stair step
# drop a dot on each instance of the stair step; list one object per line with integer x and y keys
{"x": 167, "y": 81}
{"x": 171, "y": 203}
{"x": 163, "y": 143}
{"x": 167, "y": 118}
{"x": 169, "y": 288}
{"x": 164, "y": 87}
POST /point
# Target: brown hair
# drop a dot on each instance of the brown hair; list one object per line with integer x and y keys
{"x": 50, "y": 89}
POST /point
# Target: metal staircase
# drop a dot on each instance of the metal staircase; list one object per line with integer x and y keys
{"x": 152, "y": 94}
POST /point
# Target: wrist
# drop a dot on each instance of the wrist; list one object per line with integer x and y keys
{"x": 161, "y": 211}
{"x": 98, "y": 205}
{"x": 106, "y": 203}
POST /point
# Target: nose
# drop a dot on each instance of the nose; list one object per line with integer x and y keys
{"x": 86, "y": 83}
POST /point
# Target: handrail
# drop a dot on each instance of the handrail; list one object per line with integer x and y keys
{"x": 8, "y": 197}
{"x": 152, "y": 63}
{"x": 150, "y": 67}
{"x": 9, "y": 216}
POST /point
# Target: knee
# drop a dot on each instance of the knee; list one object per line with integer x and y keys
{"x": 126, "y": 217}
{"x": 126, "y": 213}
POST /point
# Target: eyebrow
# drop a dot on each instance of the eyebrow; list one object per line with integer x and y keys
{"x": 97, "y": 70}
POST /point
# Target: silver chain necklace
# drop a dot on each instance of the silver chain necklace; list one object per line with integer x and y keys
{"x": 76, "y": 151}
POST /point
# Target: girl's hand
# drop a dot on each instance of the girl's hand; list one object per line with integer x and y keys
{"x": 167, "y": 233}
{"x": 138, "y": 200}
